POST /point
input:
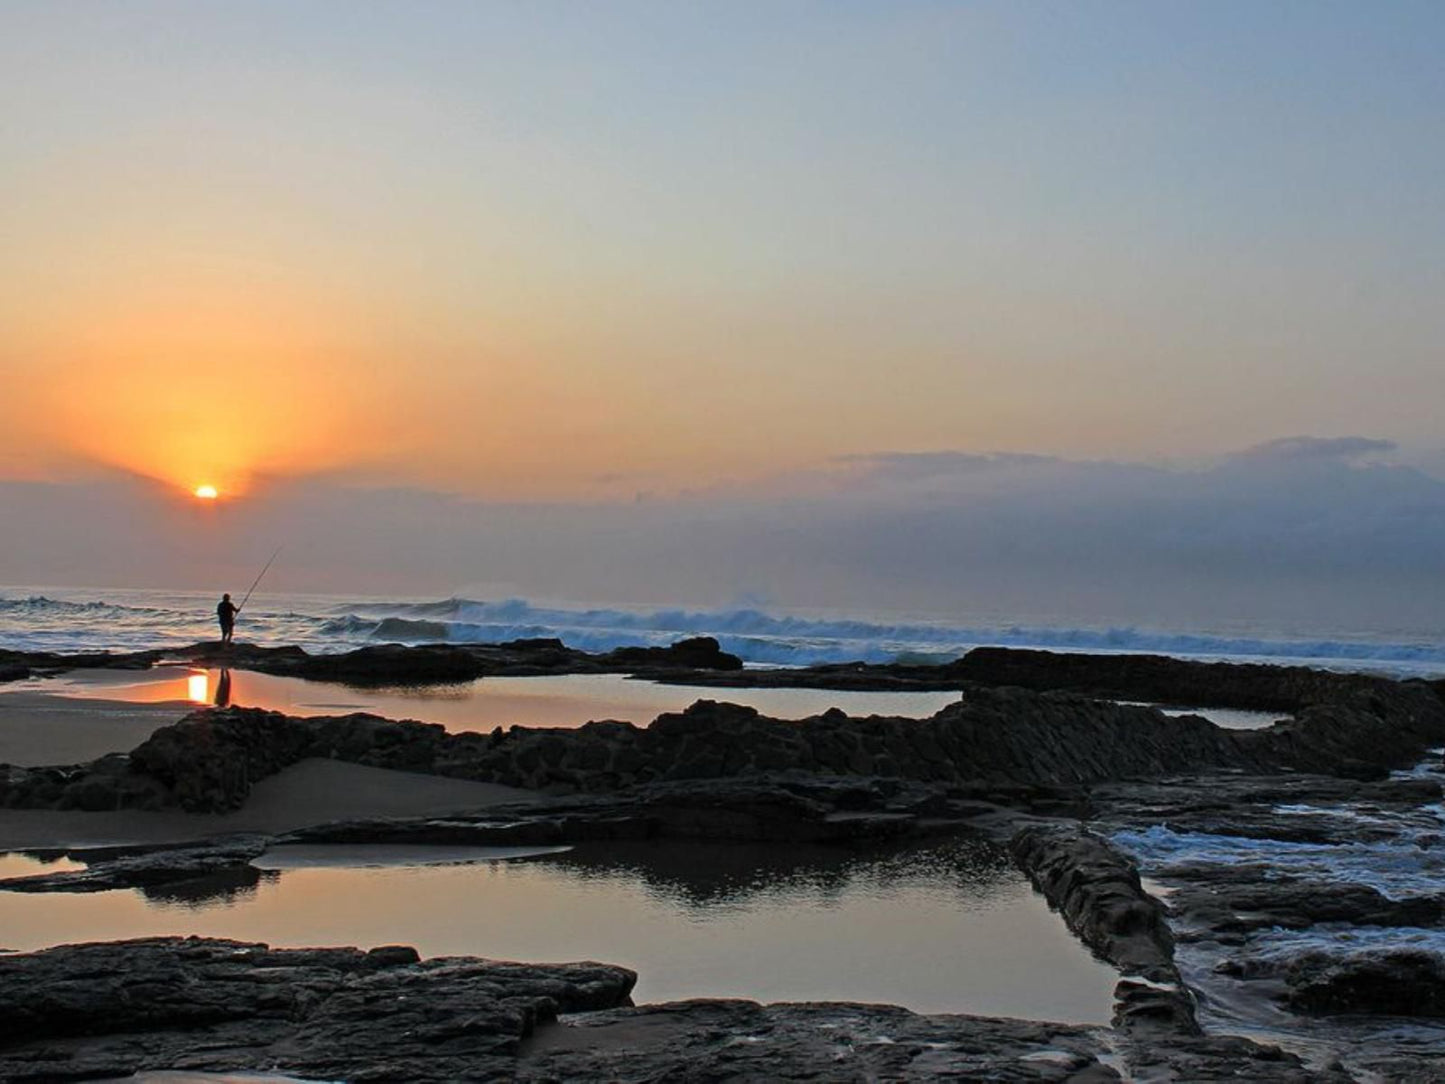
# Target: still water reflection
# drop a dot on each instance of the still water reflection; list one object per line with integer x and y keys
{"x": 945, "y": 928}
{"x": 567, "y": 700}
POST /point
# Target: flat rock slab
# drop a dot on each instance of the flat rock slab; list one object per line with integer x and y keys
{"x": 716, "y": 1040}
{"x": 111, "y": 1009}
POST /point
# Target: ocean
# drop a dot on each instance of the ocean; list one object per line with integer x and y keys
{"x": 92, "y": 619}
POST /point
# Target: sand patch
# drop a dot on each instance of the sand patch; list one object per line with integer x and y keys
{"x": 307, "y": 793}
{"x": 39, "y": 728}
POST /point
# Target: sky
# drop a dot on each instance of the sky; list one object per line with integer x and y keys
{"x": 706, "y": 274}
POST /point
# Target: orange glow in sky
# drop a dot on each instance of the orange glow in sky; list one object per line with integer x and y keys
{"x": 210, "y": 382}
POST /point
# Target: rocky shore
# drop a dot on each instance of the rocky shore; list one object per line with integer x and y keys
{"x": 1360, "y": 729}
{"x": 1244, "y": 840}
{"x": 398, "y": 664}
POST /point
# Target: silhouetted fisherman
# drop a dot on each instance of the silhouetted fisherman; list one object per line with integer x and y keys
{"x": 226, "y": 612}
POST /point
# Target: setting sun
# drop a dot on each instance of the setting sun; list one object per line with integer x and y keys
{"x": 207, "y": 493}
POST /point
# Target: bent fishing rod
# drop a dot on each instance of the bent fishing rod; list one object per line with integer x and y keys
{"x": 258, "y": 578}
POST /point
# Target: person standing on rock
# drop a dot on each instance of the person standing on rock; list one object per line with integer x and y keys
{"x": 226, "y": 612}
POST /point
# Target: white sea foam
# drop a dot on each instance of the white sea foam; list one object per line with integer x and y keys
{"x": 1398, "y": 868}
{"x": 1288, "y": 945}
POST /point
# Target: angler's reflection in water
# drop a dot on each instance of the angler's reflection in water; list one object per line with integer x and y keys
{"x": 701, "y": 877}
{"x": 223, "y": 689}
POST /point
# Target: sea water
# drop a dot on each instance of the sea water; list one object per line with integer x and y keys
{"x": 91, "y": 619}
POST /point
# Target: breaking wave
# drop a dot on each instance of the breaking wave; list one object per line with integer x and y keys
{"x": 72, "y": 620}
{"x": 793, "y": 640}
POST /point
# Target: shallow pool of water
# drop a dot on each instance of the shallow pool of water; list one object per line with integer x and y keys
{"x": 945, "y": 928}
{"x": 567, "y": 700}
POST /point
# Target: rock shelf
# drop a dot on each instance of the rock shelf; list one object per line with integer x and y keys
{"x": 1245, "y": 839}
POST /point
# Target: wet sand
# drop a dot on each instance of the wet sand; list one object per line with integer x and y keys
{"x": 307, "y": 793}
{"x": 40, "y": 728}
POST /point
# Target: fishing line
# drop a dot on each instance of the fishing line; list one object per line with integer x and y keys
{"x": 258, "y": 578}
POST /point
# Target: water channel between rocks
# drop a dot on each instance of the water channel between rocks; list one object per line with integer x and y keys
{"x": 951, "y": 927}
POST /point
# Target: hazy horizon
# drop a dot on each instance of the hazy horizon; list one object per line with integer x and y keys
{"x": 1296, "y": 534}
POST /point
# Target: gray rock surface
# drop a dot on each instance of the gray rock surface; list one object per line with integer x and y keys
{"x": 1387, "y": 982}
{"x": 1097, "y": 890}
{"x": 83, "y": 1011}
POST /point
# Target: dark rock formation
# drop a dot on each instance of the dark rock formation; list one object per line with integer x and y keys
{"x": 1394, "y": 982}
{"x": 1001, "y": 737}
{"x": 105, "y": 784}
{"x": 998, "y": 737}
{"x": 1361, "y": 733}
{"x": 86, "y": 1011}
{"x": 399, "y": 664}
{"x": 148, "y": 867}
{"x": 83, "y": 1011}
{"x": 209, "y": 761}
{"x": 698, "y": 653}
{"x": 1158, "y": 679}
{"x": 15, "y": 665}
{"x": 1097, "y": 890}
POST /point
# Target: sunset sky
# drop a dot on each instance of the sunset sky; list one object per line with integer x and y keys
{"x": 565, "y": 252}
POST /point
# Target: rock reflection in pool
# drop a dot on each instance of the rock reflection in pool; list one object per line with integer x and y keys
{"x": 31, "y": 863}
{"x": 951, "y": 927}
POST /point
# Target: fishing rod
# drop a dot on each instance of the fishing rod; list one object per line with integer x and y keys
{"x": 258, "y": 578}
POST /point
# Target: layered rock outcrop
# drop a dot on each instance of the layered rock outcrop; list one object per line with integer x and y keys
{"x": 1159, "y": 678}
{"x": 113, "y": 1009}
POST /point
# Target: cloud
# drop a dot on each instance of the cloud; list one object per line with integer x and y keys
{"x": 1303, "y": 537}
{"x": 936, "y": 464}
{"x": 1296, "y": 448}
